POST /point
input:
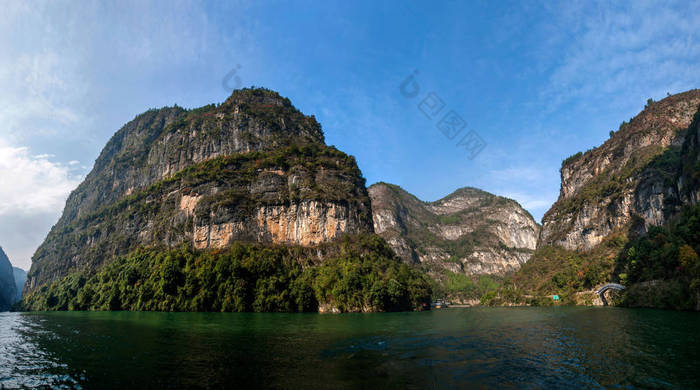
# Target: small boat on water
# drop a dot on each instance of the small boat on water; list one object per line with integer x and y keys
{"x": 439, "y": 304}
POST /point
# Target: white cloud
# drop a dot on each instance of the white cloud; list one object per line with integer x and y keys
{"x": 527, "y": 174}
{"x": 621, "y": 53}
{"x": 32, "y": 184}
{"x": 532, "y": 187}
{"x": 536, "y": 203}
{"x": 33, "y": 191}
{"x": 40, "y": 93}
{"x": 72, "y": 73}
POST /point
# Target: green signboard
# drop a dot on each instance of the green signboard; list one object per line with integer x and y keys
{"x": 555, "y": 297}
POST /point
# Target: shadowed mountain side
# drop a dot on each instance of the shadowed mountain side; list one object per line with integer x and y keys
{"x": 8, "y": 290}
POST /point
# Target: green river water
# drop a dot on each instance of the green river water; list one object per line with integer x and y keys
{"x": 563, "y": 347}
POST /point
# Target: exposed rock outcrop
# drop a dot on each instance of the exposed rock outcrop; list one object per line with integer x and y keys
{"x": 253, "y": 169}
{"x": 8, "y": 291}
{"x": 160, "y": 143}
{"x": 627, "y": 184}
{"x": 469, "y": 231}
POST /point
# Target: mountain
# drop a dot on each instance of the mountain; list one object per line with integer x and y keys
{"x": 7, "y": 283}
{"x": 662, "y": 267}
{"x": 689, "y": 177}
{"x": 628, "y": 183}
{"x": 469, "y": 232}
{"x": 20, "y": 276}
{"x": 234, "y": 180}
{"x": 627, "y": 213}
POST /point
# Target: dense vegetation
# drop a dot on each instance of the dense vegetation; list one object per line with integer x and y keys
{"x": 662, "y": 266}
{"x": 457, "y": 287}
{"x": 263, "y": 105}
{"x": 572, "y": 158}
{"x": 224, "y": 183}
{"x": 362, "y": 274}
{"x": 661, "y": 269}
{"x": 554, "y": 270}
{"x": 159, "y": 143}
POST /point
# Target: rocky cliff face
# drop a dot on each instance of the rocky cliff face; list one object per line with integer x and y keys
{"x": 160, "y": 143}
{"x": 20, "y": 276}
{"x": 469, "y": 231}
{"x": 627, "y": 184}
{"x": 252, "y": 169}
{"x": 8, "y": 290}
{"x": 624, "y": 215}
{"x": 689, "y": 177}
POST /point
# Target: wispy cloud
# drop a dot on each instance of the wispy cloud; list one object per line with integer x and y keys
{"x": 537, "y": 203}
{"x": 598, "y": 62}
{"x": 32, "y": 184}
{"x": 528, "y": 185}
{"x": 642, "y": 48}
{"x": 40, "y": 95}
{"x": 33, "y": 191}
{"x": 71, "y": 74}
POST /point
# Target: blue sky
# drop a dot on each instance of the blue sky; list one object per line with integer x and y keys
{"x": 537, "y": 81}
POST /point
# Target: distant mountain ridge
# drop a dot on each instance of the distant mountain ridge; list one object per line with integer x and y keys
{"x": 20, "y": 276}
{"x": 469, "y": 231}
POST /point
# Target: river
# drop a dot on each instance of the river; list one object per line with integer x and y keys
{"x": 561, "y": 347}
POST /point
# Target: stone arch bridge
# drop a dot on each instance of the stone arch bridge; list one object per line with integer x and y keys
{"x": 609, "y": 286}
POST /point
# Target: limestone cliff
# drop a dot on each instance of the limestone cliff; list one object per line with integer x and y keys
{"x": 160, "y": 143}
{"x": 8, "y": 290}
{"x": 253, "y": 169}
{"x": 627, "y": 213}
{"x": 627, "y": 184}
{"x": 469, "y": 231}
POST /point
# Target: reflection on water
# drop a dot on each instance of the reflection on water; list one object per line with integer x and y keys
{"x": 454, "y": 348}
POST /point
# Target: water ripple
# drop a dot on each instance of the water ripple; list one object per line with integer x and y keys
{"x": 516, "y": 348}
{"x": 23, "y": 364}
